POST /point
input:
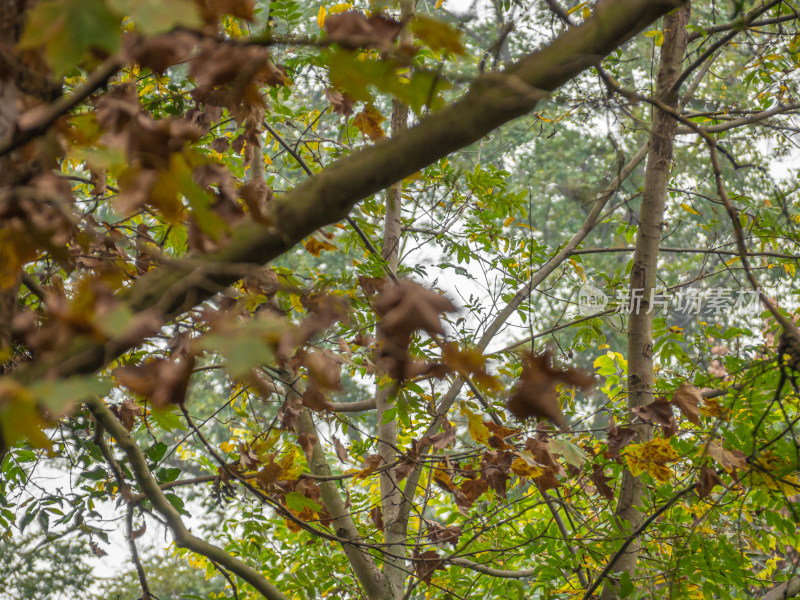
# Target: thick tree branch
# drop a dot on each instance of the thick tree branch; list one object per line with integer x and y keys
{"x": 375, "y": 585}
{"x": 790, "y": 589}
{"x": 148, "y": 484}
{"x": 326, "y": 198}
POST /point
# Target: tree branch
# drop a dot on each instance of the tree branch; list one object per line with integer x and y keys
{"x": 63, "y": 105}
{"x": 135, "y": 554}
{"x": 328, "y": 196}
{"x": 790, "y": 589}
{"x": 148, "y": 484}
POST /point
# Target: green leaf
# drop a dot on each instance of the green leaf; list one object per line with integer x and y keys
{"x": 26, "y": 520}
{"x": 25, "y": 455}
{"x": 69, "y": 29}
{"x": 298, "y": 502}
{"x": 60, "y": 395}
{"x": 167, "y": 475}
{"x": 176, "y": 501}
{"x": 157, "y": 451}
{"x": 389, "y": 415}
{"x": 44, "y": 520}
{"x": 241, "y": 351}
{"x": 166, "y": 420}
{"x": 573, "y": 454}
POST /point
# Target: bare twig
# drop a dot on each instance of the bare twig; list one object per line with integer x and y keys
{"x": 140, "y": 573}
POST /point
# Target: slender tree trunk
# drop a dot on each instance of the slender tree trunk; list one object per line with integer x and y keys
{"x": 391, "y": 494}
{"x": 643, "y": 275}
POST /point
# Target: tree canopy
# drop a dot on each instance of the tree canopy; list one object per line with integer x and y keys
{"x": 399, "y": 299}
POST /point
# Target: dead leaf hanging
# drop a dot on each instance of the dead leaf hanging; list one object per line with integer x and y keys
{"x": 535, "y": 394}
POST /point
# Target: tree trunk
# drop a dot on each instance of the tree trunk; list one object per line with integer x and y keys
{"x": 643, "y": 275}
{"x": 391, "y": 495}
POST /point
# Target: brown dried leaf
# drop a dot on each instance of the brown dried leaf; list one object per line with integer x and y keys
{"x": 535, "y": 394}
{"x": 707, "y": 479}
{"x": 371, "y": 285}
{"x": 307, "y": 442}
{"x": 687, "y": 398}
{"x": 342, "y": 102}
{"x": 353, "y": 30}
{"x": 289, "y": 412}
{"x": 495, "y": 467}
{"x": 439, "y": 534}
{"x": 728, "y": 459}
{"x": 269, "y": 474}
{"x": 618, "y": 438}
{"x": 472, "y": 363}
{"x": 314, "y": 399}
{"x": 408, "y": 307}
{"x": 256, "y": 195}
{"x": 137, "y": 533}
{"x": 371, "y": 464}
{"x": 547, "y": 480}
{"x": 163, "y": 381}
{"x": 323, "y": 370}
{"x": 248, "y": 459}
{"x": 376, "y": 514}
{"x": 600, "y": 481}
{"x": 214, "y": 9}
{"x": 341, "y": 451}
{"x": 127, "y": 413}
{"x": 469, "y": 491}
{"x": 444, "y": 439}
{"x": 405, "y": 308}
{"x": 426, "y": 564}
{"x": 717, "y": 368}
{"x": 159, "y": 52}
{"x": 658, "y": 412}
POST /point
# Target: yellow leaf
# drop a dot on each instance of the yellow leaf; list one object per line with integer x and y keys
{"x": 711, "y": 408}
{"x": 477, "y": 430}
{"x": 437, "y": 35}
{"x": 227, "y": 446}
{"x": 688, "y": 208}
{"x": 315, "y": 246}
{"x": 294, "y": 299}
{"x": 339, "y": 8}
{"x": 576, "y": 8}
{"x": 525, "y": 468}
{"x": 651, "y": 458}
{"x": 439, "y": 4}
{"x": 321, "y": 17}
{"x": 289, "y": 467}
{"x": 578, "y": 269}
{"x": 368, "y": 122}
{"x": 508, "y": 221}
